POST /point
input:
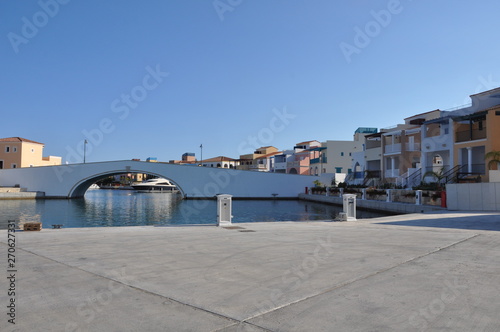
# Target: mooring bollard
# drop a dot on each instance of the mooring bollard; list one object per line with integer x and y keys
{"x": 224, "y": 210}
{"x": 418, "y": 197}
{"x": 389, "y": 195}
{"x": 349, "y": 213}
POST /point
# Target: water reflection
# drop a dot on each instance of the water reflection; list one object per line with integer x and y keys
{"x": 104, "y": 208}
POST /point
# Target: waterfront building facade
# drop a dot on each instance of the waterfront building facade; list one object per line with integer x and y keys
{"x": 18, "y": 152}
{"x": 367, "y": 164}
{"x": 259, "y": 160}
{"x": 300, "y": 161}
{"x": 476, "y": 135}
{"x": 401, "y": 149}
{"x": 219, "y": 162}
{"x": 454, "y": 146}
{"x": 281, "y": 160}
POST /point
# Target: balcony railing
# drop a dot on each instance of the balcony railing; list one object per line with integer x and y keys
{"x": 391, "y": 173}
{"x": 393, "y": 148}
{"x": 470, "y": 135}
{"x": 412, "y": 146}
{"x": 318, "y": 160}
{"x": 372, "y": 173}
{"x": 358, "y": 175}
{"x": 475, "y": 168}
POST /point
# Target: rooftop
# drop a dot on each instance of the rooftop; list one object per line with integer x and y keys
{"x": 269, "y": 155}
{"x": 18, "y": 139}
{"x": 306, "y": 142}
{"x": 215, "y": 159}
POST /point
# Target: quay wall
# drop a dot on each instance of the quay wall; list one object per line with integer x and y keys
{"x": 392, "y": 207}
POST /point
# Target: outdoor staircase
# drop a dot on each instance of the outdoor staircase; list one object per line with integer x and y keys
{"x": 411, "y": 180}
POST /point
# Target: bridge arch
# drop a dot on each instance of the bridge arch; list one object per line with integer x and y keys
{"x": 73, "y": 180}
{"x": 81, "y": 187}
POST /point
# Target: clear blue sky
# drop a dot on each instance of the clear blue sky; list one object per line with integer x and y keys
{"x": 232, "y": 69}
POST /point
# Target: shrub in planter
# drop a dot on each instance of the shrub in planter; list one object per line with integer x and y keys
{"x": 334, "y": 190}
{"x": 375, "y": 192}
{"x": 318, "y": 190}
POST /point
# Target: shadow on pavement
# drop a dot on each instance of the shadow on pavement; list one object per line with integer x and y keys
{"x": 473, "y": 222}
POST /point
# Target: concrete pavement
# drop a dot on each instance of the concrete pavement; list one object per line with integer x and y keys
{"x": 419, "y": 272}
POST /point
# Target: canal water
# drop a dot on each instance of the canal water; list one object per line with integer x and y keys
{"x": 105, "y": 208}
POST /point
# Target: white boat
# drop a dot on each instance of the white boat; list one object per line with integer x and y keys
{"x": 94, "y": 186}
{"x": 155, "y": 185}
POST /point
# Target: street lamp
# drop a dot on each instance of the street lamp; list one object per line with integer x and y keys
{"x": 201, "y": 160}
{"x": 84, "y": 150}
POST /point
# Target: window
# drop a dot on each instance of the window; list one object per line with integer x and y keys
{"x": 349, "y": 171}
{"x": 350, "y": 154}
{"x": 1, "y": 164}
{"x": 338, "y": 169}
{"x": 32, "y": 150}
{"x": 342, "y": 154}
{"x": 14, "y": 166}
{"x": 14, "y": 149}
{"x": 7, "y": 149}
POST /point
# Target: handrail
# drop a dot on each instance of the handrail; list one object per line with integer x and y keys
{"x": 413, "y": 177}
{"x": 452, "y": 174}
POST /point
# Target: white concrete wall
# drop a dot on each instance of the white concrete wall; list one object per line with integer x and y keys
{"x": 334, "y": 158}
{"x": 194, "y": 181}
{"x": 473, "y": 196}
{"x": 494, "y": 175}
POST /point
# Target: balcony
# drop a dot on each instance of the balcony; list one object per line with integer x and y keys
{"x": 258, "y": 167}
{"x": 373, "y": 144}
{"x": 393, "y": 148}
{"x": 412, "y": 146}
{"x": 318, "y": 160}
{"x": 470, "y": 135}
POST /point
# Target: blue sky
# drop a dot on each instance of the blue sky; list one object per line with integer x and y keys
{"x": 157, "y": 78}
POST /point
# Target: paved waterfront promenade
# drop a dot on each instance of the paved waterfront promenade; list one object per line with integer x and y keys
{"x": 419, "y": 272}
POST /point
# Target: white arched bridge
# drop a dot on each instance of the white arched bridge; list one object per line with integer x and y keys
{"x": 70, "y": 181}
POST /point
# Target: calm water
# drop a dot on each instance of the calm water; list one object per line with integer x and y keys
{"x": 102, "y": 208}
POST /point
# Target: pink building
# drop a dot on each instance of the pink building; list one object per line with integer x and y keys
{"x": 303, "y": 153}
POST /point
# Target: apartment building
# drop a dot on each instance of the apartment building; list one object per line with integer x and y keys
{"x": 401, "y": 147}
{"x": 455, "y": 144}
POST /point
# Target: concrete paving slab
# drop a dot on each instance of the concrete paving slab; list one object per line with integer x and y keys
{"x": 375, "y": 274}
{"x": 450, "y": 290}
{"x": 53, "y": 296}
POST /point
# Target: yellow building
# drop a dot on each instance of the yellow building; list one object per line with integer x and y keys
{"x": 20, "y": 152}
{"x": 253, "y": 161}
{"x": 475, "y": 135}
